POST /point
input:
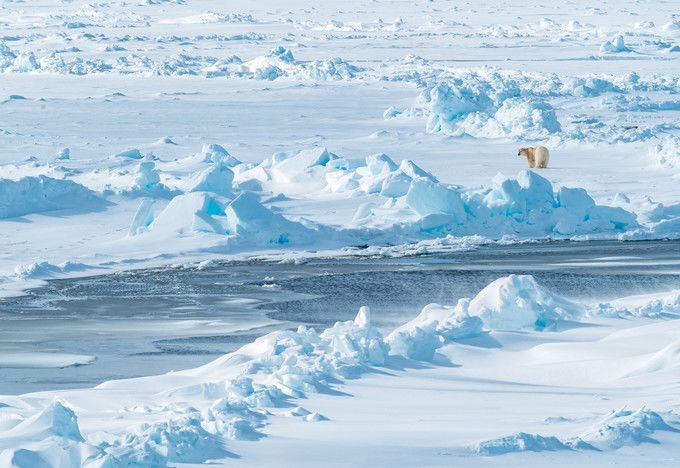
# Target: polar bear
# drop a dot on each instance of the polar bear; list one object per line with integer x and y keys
{"x": 537, "y": 156}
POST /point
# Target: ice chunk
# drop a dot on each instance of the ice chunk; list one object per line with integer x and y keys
{"x": 214, "y": 153}
{"x": 246, "y": 216}
{"x": 193, "y": 212}
{"x": 51, "y": 437}
{"x": 174, "y": 441}
{"x": 414, "y": 171}
{"x": 143, "y": 217}
{"x": 39, "y": 194}
{"x": 520, "y": 442}
{"x": 147, "y": 177}
{"x": 624, "y": 427}
{"x": 244, "y": 219}
{"x": 667, "y": 153}
{"x": 425, "y": 198}
{"x": 517, "y": 302}
{"x": 133, "y": 153}
{"x": 217, "y": 179}
{"x": 381, "y": 163}
{"x": 64, "y": 154}
{"x": 527, "y": 118}
{"x": 537, "y": 191}
{"x": 615, "y": 46}
{"x": 433, "y": 327}
{"x": 357, "y": 341}
{"x": 55, "y": 420}
{"x": 396, "y": 185}
{"x": 576, "y": 201}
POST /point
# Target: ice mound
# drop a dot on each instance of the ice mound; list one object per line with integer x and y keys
{"x": 426, "y": 198}
{"x": 147, "y": 182}
{"x": 450, "y": 102}
{"x": 417, "y": 205}
{"x": 46, "y": 269}
{"x": 615, "y": 46}
{"x": 523, "y": 206}
{"x": 133, "y": 153}
{"x": 520, "y": 442}
{"x": 618, "y": 429}
{"x": 216, "y": 179}
{"x": 147, "y": 177}
{"x": 40, "y": 194}
{"x": 278, "y": 63}
{"x": 55, "y": 420}
{"x": 64, "y": 154}
{"x": 624, "y": 427}
{"x": 488, "y": 107}
{"x": 302, "y": 172}
{"x": 286, "y": 363}
{"x": 49, "y": 438}
{"x": 168, "y": 442}
{"x": 667, "y": 306}
{"x": 357, "y": 341}
{"x": 247, "y": 217}
{"x": 143, "y": 217}
{"x": 528, "y": 202}
{"x": 211, "y": 17}
{"x": 493, "y": 103}
{"x": 244, "y": 219}
{"x": 196, "y": 212}
{"x": 526, "y": 118}
{"x": 517, "y": 302}
{"x": 214, "y": 153}
{"x": 667, "y": 153}
{"x": 435, "y": 326}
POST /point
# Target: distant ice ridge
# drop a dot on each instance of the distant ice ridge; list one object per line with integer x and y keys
{"x": 667, "y": 305}
{"x": 458, "y": 111}
{"x": 278, "y": 63}
{"x": 618, "y": 429}
{"x": 228, "y": 206}
{"x": 200, "y": 410}
{"x": 494, "y": 103}
{"x": 416, "y": 205}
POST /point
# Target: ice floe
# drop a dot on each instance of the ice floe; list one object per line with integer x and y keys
{"x": 39, "y": 194}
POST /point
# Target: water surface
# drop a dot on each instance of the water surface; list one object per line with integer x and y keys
{"x": 152, "y": 321}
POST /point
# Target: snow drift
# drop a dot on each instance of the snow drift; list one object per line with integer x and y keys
{"x": 517, "y": 302}
{"x": 40, "y": 194}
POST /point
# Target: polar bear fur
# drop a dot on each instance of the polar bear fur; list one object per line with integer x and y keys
{"x": 537, "y": 156}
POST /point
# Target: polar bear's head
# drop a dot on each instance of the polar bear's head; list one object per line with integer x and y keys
{"x": 526, "y": 151}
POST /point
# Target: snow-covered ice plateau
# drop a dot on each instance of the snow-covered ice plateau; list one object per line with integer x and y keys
{"x": 158, "y": 132}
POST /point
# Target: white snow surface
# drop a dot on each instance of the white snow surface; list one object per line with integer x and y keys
{"x": 162, "y": 131}
{"x": 146, "y": 102}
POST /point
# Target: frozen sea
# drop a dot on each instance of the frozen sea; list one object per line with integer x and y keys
{"x": 80, "y": 332}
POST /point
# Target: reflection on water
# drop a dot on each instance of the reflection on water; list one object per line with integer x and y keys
{"x": 154, "y": 321}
